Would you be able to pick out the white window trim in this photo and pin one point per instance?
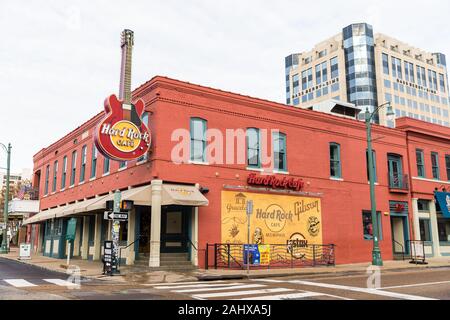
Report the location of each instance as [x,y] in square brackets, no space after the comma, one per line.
[431,180]
[81,182]
[92,179]
[255,169]
[106,174]
[141,162]
[281,172]
[122,169]
[337,179]
[198,163]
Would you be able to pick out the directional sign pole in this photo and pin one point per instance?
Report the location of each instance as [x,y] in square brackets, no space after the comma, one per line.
[115,230]
[249,215]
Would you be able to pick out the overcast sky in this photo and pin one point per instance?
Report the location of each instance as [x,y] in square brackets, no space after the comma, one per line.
[60,59]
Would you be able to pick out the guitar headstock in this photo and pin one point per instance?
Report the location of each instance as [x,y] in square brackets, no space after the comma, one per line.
[127,38]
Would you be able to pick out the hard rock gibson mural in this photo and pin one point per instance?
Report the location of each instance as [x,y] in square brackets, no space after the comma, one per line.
[277,219]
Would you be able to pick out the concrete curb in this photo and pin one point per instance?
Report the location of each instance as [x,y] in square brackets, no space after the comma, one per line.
[216,277]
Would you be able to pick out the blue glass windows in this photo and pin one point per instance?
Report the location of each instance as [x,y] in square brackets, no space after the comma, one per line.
[385,59]
[334,68]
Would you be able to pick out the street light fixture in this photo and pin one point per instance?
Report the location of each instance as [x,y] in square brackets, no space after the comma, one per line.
[4,247]
[376,253]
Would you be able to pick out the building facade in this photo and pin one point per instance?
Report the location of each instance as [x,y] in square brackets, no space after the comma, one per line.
[367,69]
[306,172]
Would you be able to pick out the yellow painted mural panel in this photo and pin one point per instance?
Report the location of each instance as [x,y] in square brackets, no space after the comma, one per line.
[276,219]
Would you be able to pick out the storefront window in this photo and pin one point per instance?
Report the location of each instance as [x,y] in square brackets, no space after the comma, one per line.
[368,226]
[444,230]
[425,234]
[423,205]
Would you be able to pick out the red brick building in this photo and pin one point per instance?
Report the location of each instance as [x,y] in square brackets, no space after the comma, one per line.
[179,208]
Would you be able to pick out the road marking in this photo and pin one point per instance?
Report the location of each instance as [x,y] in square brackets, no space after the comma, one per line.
[19,283]
[59,282]
[298,295]
[221,288]
[176,283]
[193,286]
[240,293]
[416,285]
[363,290]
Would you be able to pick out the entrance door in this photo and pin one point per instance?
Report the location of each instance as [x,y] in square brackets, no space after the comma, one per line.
[174,230]
[144,231]
[399,236]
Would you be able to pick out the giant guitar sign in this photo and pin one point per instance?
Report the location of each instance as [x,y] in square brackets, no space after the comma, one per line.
[121,134]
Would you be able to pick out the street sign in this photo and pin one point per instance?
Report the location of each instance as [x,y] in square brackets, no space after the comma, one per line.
[249,207]
[71,229]
[120,216]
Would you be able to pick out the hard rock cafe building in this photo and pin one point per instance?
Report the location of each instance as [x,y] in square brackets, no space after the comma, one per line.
[317,192]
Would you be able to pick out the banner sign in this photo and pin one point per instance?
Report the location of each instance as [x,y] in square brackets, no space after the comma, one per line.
[278,219]
[443,198]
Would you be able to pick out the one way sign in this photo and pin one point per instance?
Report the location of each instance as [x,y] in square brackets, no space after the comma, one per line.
[121,216]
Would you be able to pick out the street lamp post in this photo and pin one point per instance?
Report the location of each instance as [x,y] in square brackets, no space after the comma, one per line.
[4,247]
[376,253]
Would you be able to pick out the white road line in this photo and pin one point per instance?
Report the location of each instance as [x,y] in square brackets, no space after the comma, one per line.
[19,283]
[416,285]
[240,293]
[59,282]
[363,290]
[298,295]
[203,285]
[221,288]
[176,283]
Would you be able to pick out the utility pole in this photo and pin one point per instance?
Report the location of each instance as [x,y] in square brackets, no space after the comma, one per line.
[5,244]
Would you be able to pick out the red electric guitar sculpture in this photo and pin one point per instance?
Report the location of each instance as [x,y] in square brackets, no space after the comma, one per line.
[121,135]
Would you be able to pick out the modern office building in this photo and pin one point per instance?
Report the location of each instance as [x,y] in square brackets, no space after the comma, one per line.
[367,69]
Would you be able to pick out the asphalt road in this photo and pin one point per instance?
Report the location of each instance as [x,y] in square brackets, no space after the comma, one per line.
[21,281]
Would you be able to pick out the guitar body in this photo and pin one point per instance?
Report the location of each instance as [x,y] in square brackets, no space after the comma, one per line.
[121,135]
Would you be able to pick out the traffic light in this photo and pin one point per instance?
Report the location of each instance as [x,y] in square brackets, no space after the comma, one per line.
[126,205]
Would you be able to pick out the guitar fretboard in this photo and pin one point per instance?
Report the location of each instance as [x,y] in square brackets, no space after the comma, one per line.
[125,77]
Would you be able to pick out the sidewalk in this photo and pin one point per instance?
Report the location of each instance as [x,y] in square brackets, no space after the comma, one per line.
[93,270]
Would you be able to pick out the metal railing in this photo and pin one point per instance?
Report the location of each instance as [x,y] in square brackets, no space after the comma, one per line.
[403,248]
[233,256]
[120,250]
[399,181]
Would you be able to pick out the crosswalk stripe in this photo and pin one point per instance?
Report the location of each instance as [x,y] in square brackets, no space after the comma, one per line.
[19,283]
[59,282]
[246,286]
[240,293]
[176,283]
[297,295]
[203,285]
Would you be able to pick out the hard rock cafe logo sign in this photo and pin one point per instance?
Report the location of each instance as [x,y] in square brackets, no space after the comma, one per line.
[120,135]
[275,183]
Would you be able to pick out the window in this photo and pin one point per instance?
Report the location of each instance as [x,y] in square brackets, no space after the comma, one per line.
[374,161]
[335,160]
[198,140]
[395,169]
[122,164]
[253,155]
[425,234]
[94,161]
[444,230]
[73,168]
[145,121]
[435,165]
[83,163]
[106,163]
[447,165]
[397,68]
[64,173]
[47,173]
[279,151]
[442,83]
[55,175]
[334,68]
[420,163]
[423,205]
[385,64]
[368,226]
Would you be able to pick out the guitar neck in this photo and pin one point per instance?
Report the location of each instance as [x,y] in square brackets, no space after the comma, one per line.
[125,76]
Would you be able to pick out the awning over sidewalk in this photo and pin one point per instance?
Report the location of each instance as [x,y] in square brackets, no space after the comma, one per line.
[443,198]
[173,194]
